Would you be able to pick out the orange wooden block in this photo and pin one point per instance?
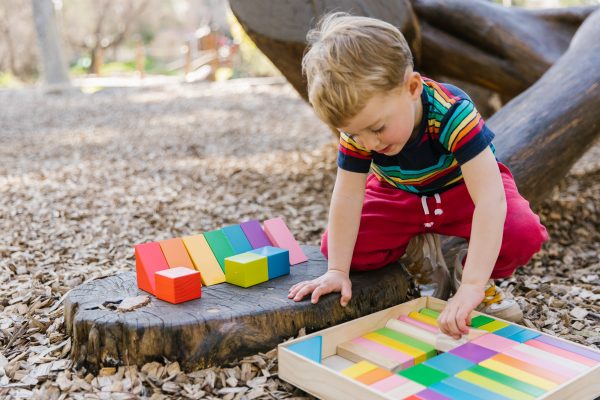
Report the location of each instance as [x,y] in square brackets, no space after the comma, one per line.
[175,253]
[369,378]
[178,284]
[149,259]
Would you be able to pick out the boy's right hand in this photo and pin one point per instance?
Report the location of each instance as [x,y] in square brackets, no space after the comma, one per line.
[331,281]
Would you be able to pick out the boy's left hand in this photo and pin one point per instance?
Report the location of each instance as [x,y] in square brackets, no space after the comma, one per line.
[456,317]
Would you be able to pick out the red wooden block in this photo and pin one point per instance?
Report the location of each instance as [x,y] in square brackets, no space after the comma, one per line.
[178,284]
[149,259]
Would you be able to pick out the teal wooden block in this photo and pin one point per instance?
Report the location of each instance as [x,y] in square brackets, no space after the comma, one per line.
[449,364]
[309,348]
[508,331]
[220,246]
[237,239]
[246,269]
[524,335]
[452,392]
[277,259]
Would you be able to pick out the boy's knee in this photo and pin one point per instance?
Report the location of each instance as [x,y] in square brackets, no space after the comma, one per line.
[526,237]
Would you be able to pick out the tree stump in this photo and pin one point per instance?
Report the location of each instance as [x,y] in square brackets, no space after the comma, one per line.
[227,323]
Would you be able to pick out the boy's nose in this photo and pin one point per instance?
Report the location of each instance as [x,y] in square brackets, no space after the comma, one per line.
[371,143]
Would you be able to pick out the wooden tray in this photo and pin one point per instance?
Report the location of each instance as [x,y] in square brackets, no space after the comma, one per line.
[326,383]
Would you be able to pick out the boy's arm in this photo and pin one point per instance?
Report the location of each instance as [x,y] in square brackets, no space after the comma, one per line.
[344,220]
[484,183]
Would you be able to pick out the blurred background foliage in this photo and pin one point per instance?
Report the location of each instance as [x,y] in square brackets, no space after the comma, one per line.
[197,39]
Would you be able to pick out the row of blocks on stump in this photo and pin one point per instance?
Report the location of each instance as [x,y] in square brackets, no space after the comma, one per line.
[505,362]
[207,252]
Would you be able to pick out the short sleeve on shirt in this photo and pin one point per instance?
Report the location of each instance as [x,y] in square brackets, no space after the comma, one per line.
[351,156]
[463,131]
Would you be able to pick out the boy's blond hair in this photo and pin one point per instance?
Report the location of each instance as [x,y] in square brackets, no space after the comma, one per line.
[350,59]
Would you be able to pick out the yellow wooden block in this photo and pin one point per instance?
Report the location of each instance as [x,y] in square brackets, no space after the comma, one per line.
[419,355]
[518,374]
[358,369]
[493,386]
[494,326]
[423,318]
[204,260]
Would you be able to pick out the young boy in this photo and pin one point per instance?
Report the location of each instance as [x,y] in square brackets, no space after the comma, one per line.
[433,170]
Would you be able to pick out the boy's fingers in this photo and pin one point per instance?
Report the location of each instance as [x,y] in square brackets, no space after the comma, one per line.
[346,294]
[309,287]
[318,292]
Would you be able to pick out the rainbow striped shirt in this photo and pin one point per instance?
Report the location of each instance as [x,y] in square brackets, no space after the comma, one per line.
[451,133]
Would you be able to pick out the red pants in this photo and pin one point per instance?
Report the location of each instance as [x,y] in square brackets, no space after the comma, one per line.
[391,217]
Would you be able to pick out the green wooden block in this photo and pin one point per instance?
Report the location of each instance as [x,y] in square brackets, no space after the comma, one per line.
[429,312]
[423,374]
[409,341]
[246,269]
[480,320]
[220,246]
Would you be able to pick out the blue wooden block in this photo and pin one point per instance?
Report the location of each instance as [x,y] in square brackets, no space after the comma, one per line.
[309,348]
[237,239]
[277,259]
[449,363]
[524,335]
[508,331]
[472,389]
[452,392]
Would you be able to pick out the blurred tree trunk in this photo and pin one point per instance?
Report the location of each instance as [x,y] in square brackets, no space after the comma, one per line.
[51,52]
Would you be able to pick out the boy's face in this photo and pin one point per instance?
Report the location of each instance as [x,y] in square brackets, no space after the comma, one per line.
[388,120]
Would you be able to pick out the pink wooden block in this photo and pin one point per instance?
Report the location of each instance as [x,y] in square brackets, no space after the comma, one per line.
[419,324]
[404,359]
[495,342]
[389,383]
[279,234]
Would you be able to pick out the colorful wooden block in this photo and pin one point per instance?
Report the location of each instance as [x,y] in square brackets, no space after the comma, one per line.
[478,391]
[279,234]
[255,234]
[369,378]
[423,374]
[452,392]
[419,355]
[149,259]
[506,392]
[423,318]
[473,352]
[494,325]
[449,363]
[403,391]
[552,358]
[358,369]
[561,352]
[572,347]
[508,331]
[419,324]
[278,260]
[429,394]
[524,335]
[390,383]
[495,342]
[429,312]
[363,349]
[409,341]
[520,374]
[561,371]
[220,246]
[481,320]
[246,269]
[204,260]
[237,239]
[175,253]
[508,381]
[309,348]
[178,284]
[528,367]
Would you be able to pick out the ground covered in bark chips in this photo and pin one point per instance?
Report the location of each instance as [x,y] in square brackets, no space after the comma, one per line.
[85,177]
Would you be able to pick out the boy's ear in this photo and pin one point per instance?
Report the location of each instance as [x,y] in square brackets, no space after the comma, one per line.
[415,84]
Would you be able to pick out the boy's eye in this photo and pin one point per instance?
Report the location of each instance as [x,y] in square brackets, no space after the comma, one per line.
[378,130]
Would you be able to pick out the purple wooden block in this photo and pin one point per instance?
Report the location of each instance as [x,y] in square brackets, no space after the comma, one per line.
[569,347]
[255,234]
[472,352]
[428,394]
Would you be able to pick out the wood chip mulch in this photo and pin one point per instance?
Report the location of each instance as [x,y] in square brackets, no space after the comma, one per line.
[85,177]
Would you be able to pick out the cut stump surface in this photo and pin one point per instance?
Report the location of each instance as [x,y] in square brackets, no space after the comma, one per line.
[227,323]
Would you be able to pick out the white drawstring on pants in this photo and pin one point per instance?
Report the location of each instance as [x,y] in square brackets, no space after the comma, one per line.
[438,209]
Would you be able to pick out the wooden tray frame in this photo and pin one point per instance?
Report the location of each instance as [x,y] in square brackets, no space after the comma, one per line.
[327,384]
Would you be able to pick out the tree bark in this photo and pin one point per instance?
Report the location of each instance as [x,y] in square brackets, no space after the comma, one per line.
[53,62]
